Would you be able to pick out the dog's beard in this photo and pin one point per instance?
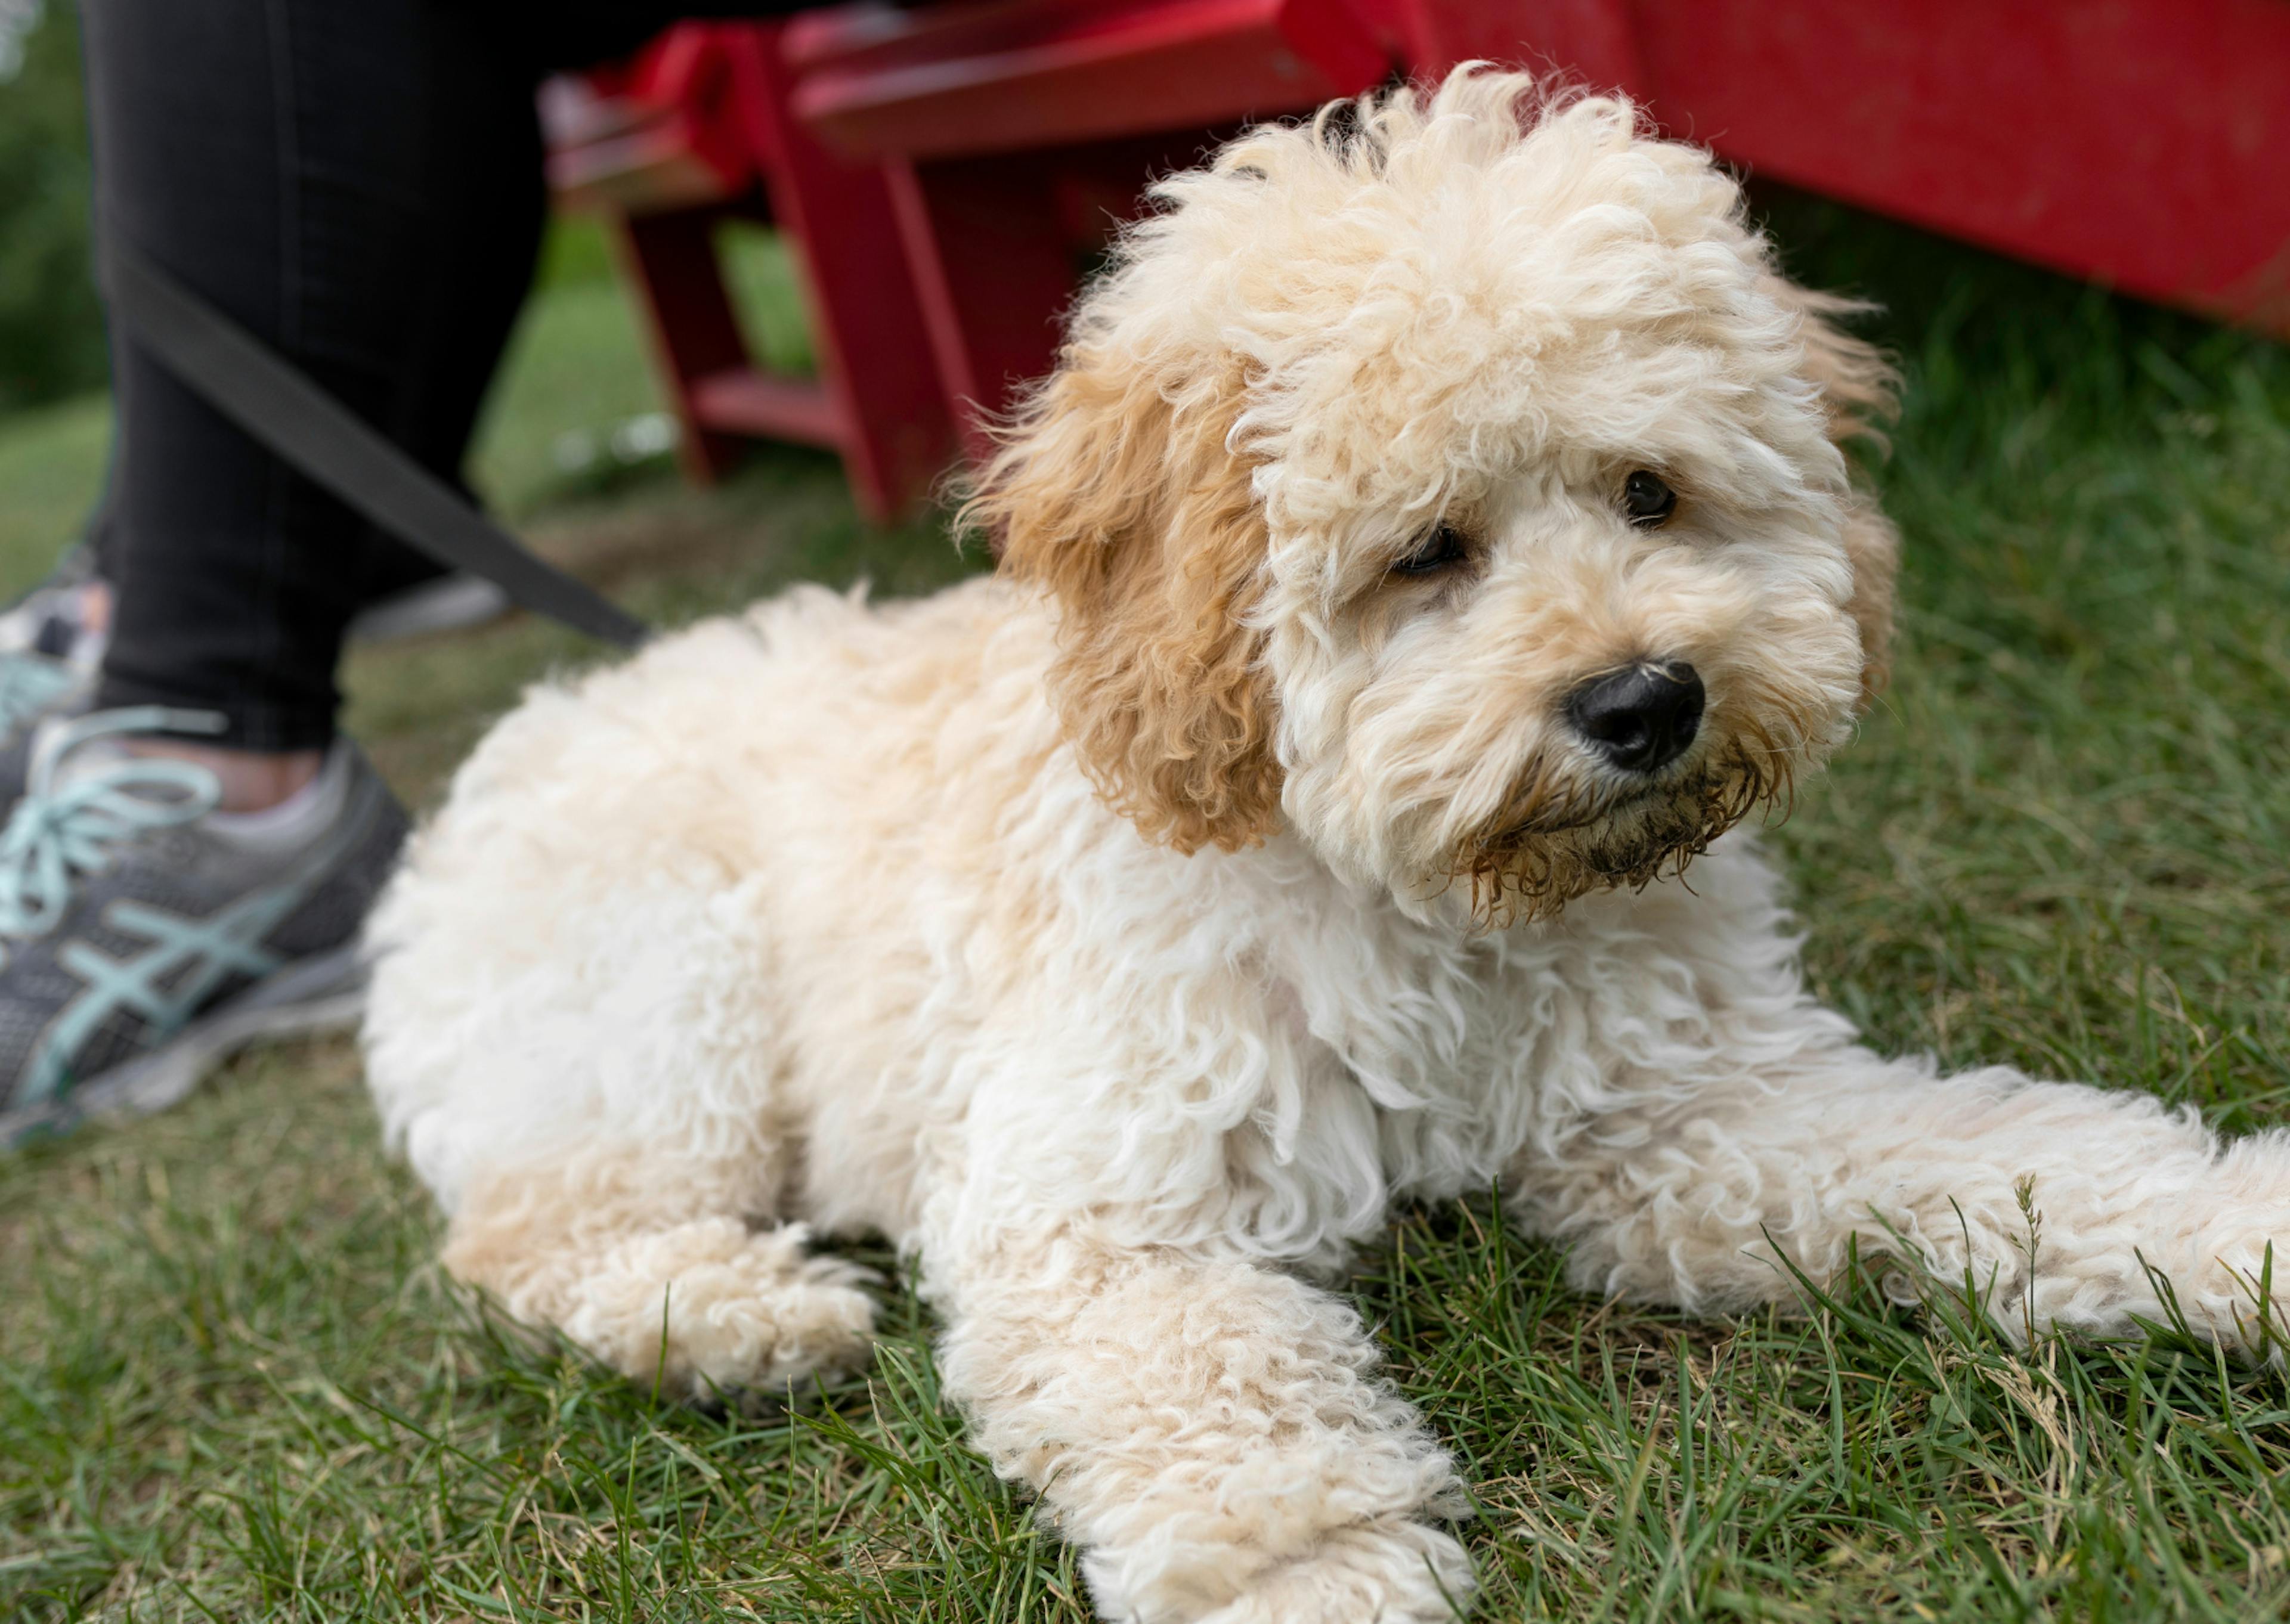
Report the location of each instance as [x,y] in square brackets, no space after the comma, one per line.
[1558,839]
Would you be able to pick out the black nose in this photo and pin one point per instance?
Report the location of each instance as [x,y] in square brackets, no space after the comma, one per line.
[1641,719]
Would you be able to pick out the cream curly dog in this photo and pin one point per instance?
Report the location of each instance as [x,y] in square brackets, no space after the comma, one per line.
[1434,535]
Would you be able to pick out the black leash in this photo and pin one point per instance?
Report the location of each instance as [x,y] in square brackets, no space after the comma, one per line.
[307,428]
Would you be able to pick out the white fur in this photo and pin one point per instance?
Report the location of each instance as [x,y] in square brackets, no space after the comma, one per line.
[814,917]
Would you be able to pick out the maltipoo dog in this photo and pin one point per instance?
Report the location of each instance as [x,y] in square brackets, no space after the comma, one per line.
[1435,534]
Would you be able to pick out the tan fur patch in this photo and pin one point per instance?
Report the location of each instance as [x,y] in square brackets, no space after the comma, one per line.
[1116,490]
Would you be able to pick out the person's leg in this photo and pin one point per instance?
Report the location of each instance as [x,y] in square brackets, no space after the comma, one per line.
[360,187]
[191,852]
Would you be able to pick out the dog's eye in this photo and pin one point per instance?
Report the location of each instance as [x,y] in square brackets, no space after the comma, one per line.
[1443,550]
[1648,499]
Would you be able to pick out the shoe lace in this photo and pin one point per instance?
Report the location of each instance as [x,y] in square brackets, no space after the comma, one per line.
[29,683]
[59,832]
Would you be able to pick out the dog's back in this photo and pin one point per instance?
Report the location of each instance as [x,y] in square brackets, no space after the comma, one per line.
[620,922]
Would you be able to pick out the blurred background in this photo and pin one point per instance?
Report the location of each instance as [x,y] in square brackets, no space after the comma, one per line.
[2060,841]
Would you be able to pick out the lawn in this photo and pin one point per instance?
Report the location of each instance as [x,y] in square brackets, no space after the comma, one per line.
[233,1384]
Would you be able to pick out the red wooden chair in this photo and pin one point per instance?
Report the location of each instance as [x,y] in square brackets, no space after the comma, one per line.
[1010,131]
[694,131]
[2139,143]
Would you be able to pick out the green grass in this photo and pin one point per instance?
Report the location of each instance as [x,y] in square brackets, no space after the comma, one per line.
[578,367]
[233,1384]
[51,465]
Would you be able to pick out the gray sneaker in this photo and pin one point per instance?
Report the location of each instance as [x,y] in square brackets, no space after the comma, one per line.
[146,940]
[52,618]
[34,688]
[49,653]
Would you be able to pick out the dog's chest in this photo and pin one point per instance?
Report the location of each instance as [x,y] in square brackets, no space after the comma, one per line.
[1432,1038]
[1465,1047]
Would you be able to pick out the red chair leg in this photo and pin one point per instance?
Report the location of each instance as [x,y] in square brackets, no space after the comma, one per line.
[874,351]
[994,267]
[689,323]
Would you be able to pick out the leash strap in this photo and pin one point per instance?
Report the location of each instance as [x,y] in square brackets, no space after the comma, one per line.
[310,430]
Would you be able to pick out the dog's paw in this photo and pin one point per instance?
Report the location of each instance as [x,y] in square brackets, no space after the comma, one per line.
[1388,1571]
[2237,1289]
[709,1308]
[1376,1573]
[2226,1263]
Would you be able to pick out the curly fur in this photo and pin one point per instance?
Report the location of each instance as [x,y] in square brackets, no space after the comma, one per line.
[1117,491]
[1125,934]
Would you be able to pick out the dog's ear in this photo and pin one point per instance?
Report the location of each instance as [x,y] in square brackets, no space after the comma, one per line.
[1859,393]
[1115,489]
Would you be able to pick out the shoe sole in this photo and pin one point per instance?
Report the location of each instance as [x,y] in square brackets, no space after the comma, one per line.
[324,993]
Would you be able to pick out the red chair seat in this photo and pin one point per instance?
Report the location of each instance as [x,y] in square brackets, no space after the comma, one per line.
[1015,74]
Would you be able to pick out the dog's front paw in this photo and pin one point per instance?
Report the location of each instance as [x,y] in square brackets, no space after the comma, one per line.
[1384,1573]
[1387,1571]
[2233,1282]
[709,1307]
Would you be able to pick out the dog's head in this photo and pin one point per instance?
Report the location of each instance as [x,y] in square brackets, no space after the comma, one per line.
[1456,478]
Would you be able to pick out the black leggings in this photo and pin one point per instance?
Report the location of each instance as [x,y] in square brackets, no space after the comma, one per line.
[359,183]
